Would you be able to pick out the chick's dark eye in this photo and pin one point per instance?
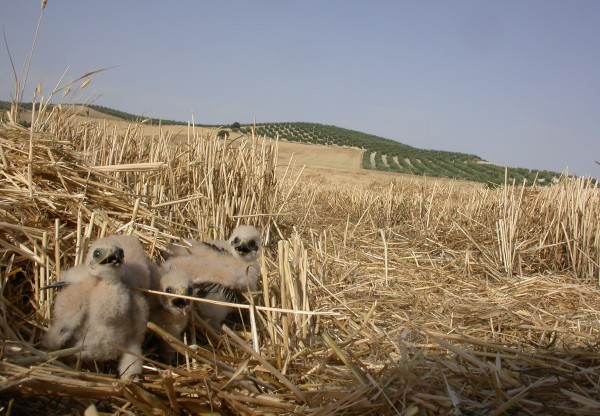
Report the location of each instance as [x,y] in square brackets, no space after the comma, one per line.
[97,253]
[236,241]
[252,245]
[169,290]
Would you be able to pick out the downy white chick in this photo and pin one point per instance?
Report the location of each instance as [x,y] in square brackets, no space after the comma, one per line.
[139,271]
[168,312]
[171,313]
[244,243]
[206,265]
[99,308]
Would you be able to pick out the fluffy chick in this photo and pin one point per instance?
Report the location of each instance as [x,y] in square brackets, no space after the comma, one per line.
[231,263]
[244,243]
[228,270]
[211,313]
[138,271]
[171,313]
[98,308]
[208,265]
[168,312]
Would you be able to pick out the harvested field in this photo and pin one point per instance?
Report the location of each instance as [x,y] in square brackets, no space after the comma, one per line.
[384,295]
[318,156]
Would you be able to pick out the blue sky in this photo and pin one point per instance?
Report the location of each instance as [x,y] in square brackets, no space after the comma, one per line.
[515,82]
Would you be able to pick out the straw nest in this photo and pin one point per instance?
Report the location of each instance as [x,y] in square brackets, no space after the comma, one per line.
[396,298]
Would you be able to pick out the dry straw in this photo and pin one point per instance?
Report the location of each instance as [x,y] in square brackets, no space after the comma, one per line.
[436,298]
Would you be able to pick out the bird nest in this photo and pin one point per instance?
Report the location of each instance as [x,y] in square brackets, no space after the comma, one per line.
[401,297]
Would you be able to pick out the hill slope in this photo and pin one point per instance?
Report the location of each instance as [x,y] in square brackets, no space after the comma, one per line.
[388,155]
[379,153]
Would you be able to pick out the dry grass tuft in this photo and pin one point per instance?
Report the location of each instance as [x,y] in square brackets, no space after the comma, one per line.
[435,299]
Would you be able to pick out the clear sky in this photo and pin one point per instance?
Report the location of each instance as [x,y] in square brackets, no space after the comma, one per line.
[515,82]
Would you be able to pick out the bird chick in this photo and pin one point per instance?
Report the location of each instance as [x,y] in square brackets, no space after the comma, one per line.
[244,243]
[231,263]
[171,313]
[206,259]
[238,256]
[207,265]
[139,271]
[98,309]
[210,312]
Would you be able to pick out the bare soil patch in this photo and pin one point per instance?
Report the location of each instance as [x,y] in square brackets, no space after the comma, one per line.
[385,161]
[343,159]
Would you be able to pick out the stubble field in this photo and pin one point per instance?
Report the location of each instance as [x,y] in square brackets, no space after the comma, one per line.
[389,294]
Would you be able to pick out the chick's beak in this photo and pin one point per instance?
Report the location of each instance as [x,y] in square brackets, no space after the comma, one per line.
[182,305]
[111,255]
[243,247]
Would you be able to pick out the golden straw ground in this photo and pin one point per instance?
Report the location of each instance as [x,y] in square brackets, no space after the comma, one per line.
[446,297]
